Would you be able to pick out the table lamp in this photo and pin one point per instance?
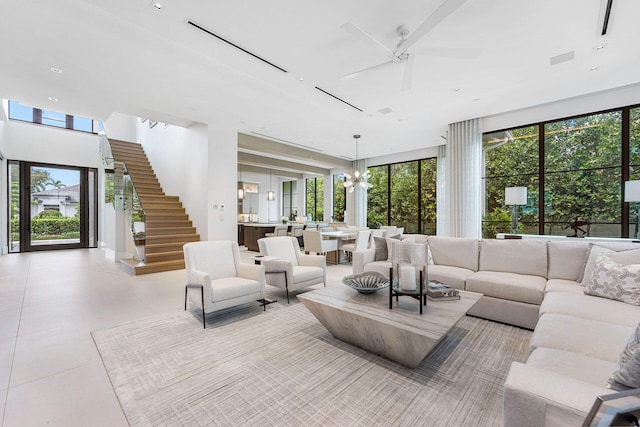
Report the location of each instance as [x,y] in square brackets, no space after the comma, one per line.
[515,196]
[632,195]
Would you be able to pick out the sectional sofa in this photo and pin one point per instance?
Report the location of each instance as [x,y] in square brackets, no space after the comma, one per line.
[536,284]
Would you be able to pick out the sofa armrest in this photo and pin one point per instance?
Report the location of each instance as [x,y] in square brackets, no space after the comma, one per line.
[251,271]
[535,397]
[360,258]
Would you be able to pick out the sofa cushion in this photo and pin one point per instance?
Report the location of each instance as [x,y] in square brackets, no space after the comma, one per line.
[510,286]
[566,260]
[612,280]
[455,251]
[591,308]
[578,366]
[589,337]
[450,276]
[626,257]
[232,287]
[627,374]
[562,285]
[514,256]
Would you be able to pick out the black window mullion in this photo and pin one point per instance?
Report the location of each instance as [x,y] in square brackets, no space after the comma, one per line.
[541,178]
[626,138]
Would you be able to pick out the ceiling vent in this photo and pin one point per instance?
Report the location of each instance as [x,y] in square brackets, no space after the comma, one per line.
[606,16]
[339,99]
[564,57]
[211,33]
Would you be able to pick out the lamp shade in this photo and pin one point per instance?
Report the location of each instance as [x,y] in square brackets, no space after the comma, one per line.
[515,196]
[632,191]
[271,195]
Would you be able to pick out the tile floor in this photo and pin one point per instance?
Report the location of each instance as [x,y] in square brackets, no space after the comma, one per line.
[50,371]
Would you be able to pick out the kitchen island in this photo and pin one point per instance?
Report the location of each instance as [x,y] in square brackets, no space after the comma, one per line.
[254,231]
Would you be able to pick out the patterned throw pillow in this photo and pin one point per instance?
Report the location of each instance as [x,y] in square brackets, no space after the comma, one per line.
[615,281]
[627,374]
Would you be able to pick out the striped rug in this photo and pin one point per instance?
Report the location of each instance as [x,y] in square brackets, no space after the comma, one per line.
[283,368]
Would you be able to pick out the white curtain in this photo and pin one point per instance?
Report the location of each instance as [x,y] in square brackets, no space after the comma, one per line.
[463,180]
[357,201]
[441,186]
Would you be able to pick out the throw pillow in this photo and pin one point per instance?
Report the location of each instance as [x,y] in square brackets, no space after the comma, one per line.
[615,281]
[627,373]
[382,253]
[390,241]
[626,257]
[590,263]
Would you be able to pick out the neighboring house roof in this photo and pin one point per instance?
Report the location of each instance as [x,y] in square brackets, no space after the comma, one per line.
[70,193]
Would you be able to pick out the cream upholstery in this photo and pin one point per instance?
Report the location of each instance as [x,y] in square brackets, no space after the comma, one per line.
[279,230]
[225,282]
[313,242]
[527,257]
[455,251]
[361,243]
[300,270]
[509,286]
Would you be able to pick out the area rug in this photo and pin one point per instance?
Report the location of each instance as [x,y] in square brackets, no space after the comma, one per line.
[282,367]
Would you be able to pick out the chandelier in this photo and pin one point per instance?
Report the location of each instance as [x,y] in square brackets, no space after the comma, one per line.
[358,178]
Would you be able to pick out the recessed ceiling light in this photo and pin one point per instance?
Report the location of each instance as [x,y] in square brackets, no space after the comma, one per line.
[600,47]
[52,99]
[157,5]
[56,70]
[593,68]
[476,99]
[457,89]
[301,79]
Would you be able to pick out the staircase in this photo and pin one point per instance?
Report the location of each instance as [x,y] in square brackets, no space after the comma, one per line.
[168,226]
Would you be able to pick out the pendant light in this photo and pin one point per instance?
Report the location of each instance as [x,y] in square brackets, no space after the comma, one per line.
[271,196]
[358,178]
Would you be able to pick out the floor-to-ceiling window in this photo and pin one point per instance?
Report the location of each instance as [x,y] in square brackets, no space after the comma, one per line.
[403,194]
[315,198]
[51,207]
[339,198]
[290,199]
[574,170]
[511,160]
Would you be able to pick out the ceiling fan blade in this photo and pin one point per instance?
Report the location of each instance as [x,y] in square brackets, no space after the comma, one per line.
[375,67]
[359,33]
[444,10]
[464,53]
[407,77]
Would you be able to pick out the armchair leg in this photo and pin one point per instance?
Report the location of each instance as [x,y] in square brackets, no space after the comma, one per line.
[286,285]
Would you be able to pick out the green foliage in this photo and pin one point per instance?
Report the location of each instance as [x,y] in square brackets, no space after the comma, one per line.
[497,221]
[54,226]
[49,213]
[405,197]
[315,198]
[582,167]
[339,198]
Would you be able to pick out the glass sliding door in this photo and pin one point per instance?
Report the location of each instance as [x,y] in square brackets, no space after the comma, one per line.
[52,207]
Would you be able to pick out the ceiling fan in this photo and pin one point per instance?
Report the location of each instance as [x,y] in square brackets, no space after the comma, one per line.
[407,39]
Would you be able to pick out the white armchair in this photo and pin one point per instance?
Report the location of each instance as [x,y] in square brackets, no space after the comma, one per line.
[214,267]
[292,269]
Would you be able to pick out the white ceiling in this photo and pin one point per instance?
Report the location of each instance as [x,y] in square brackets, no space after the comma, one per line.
[126,56]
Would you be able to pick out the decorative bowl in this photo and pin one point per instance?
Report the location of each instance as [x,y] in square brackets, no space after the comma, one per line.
[366,283]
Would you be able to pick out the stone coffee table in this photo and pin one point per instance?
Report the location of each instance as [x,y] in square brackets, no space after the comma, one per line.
[401,334]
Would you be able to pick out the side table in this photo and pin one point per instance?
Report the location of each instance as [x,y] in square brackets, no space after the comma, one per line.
[258,260]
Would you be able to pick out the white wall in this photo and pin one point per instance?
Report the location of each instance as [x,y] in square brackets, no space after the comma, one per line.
[44,144]
[121,127]
[178,157]
[604,100]
[222,183]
